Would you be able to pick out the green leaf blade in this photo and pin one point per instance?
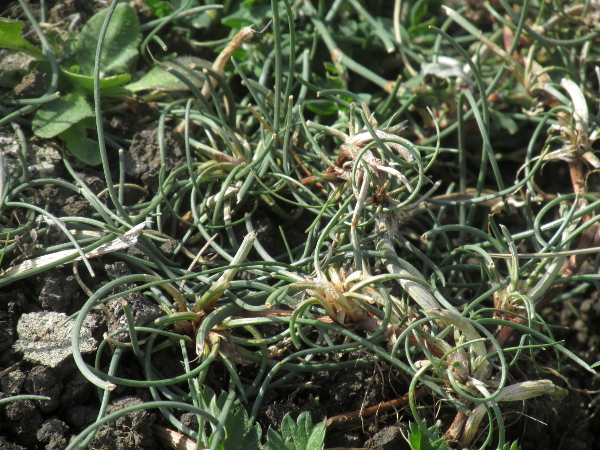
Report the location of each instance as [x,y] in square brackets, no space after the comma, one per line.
[10,37]
[59,115]
[119,51]
[84,148]
[159,78]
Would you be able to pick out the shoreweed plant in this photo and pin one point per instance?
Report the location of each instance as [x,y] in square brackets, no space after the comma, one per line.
[328,215]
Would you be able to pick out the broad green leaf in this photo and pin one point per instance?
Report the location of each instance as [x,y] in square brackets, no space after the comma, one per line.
[195,21]
[70,80]
[322,107]
[419,440]
[159,78]
[237,23]
[59,115]
[293,439]
[274,441]
[84,148]
[10,37]
[300,435]
[236,433]
[87,83]
[317,435]
[159,8]
[119,51]
[249,13]
[204,20]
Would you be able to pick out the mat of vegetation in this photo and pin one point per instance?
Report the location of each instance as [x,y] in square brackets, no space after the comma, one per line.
[299,224]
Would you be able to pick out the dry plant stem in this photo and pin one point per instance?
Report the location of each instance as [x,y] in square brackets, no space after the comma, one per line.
[12,368]
[353,420]
[244,35]
[578,181]
[455,430]
[128,239]
[174,439]
[568,383]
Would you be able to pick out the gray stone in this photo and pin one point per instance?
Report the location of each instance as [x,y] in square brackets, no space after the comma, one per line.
[44,341]
[390,438]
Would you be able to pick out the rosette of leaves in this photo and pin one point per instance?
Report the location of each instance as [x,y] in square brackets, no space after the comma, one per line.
[66,111]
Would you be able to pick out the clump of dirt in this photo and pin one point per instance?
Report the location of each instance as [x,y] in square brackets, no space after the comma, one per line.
[143,161]
[129,432]
[56,292]
[142,309]
[33,85]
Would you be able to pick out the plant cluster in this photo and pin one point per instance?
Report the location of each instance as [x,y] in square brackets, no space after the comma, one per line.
[327,215]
